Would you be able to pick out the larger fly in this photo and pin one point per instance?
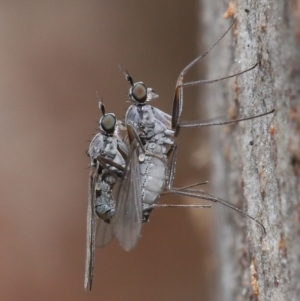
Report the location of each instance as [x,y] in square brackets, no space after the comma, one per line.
[153,156]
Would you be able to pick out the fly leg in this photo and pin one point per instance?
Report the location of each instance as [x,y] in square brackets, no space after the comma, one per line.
[178,103]
[199,194]
[178,95]
[147,209]
[188,186]
[201,124]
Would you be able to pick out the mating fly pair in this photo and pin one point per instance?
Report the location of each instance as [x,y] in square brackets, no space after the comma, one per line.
[142,165]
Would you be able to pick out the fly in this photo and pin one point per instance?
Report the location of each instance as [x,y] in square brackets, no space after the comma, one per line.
[150,166]
[108,153]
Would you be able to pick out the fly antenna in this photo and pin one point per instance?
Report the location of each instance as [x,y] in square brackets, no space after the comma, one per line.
[101,104]
[127,76]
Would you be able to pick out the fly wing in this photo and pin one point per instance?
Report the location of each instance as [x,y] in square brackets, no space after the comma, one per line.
[127,221]
[163,117]
[104,233]
[91,231]
[122,147]
[122,144]
[133,117]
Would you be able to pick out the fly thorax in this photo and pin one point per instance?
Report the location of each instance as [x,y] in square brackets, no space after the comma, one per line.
[147,117]
[96,148]
[156,148]
[150,147]
[146,124]
[110,150]
[150,134]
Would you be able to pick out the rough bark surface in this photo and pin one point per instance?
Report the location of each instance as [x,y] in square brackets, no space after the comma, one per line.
[260,172]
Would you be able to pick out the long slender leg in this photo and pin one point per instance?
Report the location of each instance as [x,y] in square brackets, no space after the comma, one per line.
[188,186]
[177,105]
[199,194]
[178,95]
[208,81]
[177,101]
[194,194]
[187,124]
[133,136]
[172,165]
[179,206]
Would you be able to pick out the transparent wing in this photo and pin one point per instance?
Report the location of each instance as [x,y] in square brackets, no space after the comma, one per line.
[91,231]
[163,117]
[122,144]
[133,117]
[127,221]
[104,233]
[122,147]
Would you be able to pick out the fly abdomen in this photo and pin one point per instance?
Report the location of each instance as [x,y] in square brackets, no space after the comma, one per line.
[104,202]
[154,173]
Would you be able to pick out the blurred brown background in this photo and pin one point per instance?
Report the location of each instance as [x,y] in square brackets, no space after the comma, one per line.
[55,55]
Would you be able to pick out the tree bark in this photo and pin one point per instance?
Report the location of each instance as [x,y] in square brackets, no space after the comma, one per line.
[257,162]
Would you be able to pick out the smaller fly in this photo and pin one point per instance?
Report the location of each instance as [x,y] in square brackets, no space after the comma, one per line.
[108,153]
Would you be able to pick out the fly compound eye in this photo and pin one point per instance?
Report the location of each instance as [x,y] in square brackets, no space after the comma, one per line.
[138,92]
[108,123]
